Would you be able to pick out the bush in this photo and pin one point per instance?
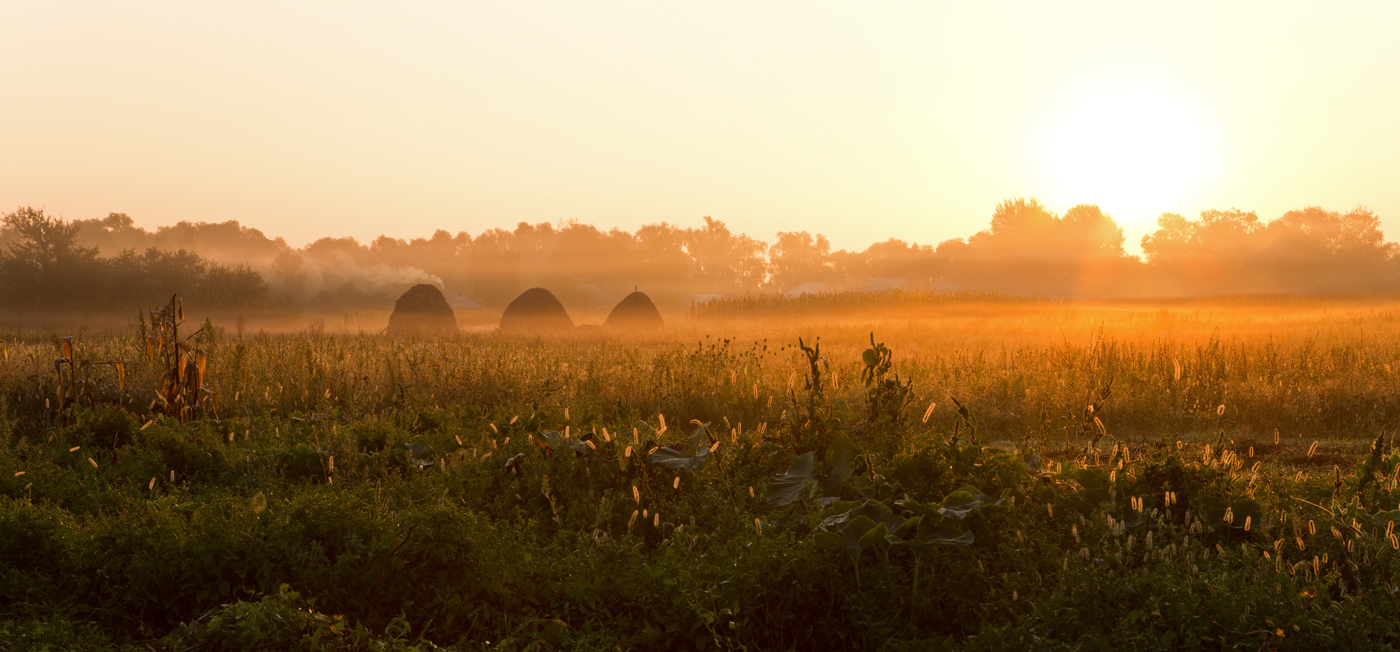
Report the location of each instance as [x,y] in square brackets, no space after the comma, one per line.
[33,543]
[188,454]
[106,427]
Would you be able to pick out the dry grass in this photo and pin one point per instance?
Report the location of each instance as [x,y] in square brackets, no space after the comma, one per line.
[1312,369]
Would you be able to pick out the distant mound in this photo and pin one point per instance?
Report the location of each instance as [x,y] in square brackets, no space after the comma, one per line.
[420,311]
[635,311]
[536,309]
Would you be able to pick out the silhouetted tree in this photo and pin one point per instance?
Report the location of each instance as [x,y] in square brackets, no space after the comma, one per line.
[496,268]
[662,263]
[1305,251]
[288,275]
[798,258]
[722,261]
[898,259]
[1030,249]
[44,266]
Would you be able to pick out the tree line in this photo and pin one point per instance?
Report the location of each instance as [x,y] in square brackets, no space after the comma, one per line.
[110,262]
[44,266]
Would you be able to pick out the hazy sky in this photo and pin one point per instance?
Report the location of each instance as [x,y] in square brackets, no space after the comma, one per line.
[862,121]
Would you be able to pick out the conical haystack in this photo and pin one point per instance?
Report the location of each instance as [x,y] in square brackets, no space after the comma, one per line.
[636,311]
[422,310]
[536,309]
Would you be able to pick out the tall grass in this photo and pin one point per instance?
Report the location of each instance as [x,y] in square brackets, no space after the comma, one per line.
[498,492]
[1308,369]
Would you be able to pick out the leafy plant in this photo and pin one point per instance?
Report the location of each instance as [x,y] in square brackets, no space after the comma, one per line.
[885,398]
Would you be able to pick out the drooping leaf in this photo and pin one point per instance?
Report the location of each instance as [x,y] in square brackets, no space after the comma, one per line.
[874,537]
[968,500]
[802,465]
[919,508]
[691,456]
[674,459]
[958,504]
[874,510]
[908,528]
[696,442]
[785,488]
[838,507]
[829,540]
[945,533]
[853,535]
[899,543]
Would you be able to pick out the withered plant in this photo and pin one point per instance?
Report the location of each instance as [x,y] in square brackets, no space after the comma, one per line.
[180,363]
[78,383]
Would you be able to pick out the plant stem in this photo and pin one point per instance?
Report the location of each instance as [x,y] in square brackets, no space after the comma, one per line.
[914,595]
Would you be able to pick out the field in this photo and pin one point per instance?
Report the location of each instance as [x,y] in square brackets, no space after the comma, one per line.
[976,472]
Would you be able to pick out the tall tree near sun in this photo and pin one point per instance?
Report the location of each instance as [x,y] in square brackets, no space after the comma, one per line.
[1030,249]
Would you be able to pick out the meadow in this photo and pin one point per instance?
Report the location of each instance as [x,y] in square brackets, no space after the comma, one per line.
[914,472]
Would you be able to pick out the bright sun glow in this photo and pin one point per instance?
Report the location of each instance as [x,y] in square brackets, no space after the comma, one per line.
[1133,149]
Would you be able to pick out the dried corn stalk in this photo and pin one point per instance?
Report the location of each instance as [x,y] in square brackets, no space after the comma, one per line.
[182,364]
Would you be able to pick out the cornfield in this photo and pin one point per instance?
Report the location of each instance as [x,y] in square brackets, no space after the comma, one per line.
[963,475]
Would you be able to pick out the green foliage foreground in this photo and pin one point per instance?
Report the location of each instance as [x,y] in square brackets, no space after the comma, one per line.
[832,525]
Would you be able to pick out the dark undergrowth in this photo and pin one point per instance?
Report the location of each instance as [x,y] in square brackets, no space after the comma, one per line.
[825,523]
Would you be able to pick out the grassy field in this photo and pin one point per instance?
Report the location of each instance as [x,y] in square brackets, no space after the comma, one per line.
[985,473]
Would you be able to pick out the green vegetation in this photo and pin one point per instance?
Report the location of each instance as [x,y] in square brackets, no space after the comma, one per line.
[1073,488]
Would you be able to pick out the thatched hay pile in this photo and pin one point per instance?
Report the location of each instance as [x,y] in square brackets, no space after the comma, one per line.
[420,311]
[536,309]
[635,312]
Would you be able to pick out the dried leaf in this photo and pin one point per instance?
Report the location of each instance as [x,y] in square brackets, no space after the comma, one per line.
[201,360]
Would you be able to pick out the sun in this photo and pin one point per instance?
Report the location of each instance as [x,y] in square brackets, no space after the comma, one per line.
[1135,149]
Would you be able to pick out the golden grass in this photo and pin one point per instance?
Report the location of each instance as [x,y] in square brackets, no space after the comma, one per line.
[1302,367]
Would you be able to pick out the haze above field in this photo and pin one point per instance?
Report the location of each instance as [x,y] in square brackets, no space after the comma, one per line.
[862,123]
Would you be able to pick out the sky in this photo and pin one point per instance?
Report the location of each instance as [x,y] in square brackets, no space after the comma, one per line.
[861,121]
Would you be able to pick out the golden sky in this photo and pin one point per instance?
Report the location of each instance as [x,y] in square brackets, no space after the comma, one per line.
[862,121]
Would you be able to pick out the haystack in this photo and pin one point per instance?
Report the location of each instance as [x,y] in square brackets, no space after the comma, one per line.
[420,311]
[536,309]
[636,311]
